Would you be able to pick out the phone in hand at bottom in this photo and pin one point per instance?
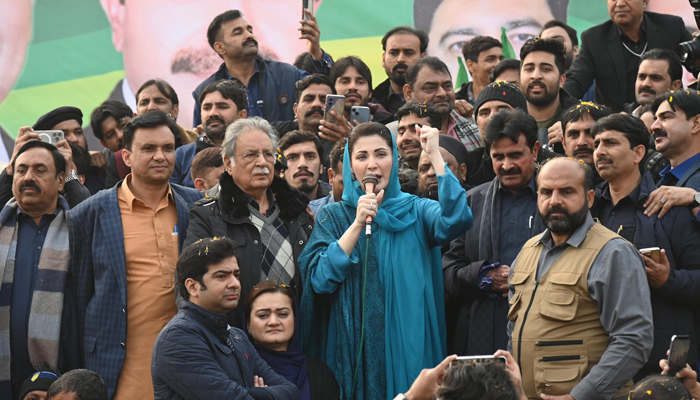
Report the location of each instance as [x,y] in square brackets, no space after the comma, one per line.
[678,353]
[479,360]
[652,252]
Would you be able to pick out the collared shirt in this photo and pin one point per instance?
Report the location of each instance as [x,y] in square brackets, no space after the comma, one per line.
[151,252]
[254,98]
[464,129]
[393,100]
[617,281]
[619,218]
[30,241]
[676,173]
[517,212]
[270,198]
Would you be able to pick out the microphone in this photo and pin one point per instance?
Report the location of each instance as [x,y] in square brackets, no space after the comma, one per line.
[368,182]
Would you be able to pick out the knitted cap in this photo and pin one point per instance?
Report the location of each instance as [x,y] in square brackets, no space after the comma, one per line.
[55,117]
[455,147]
[503,91]
[39,381]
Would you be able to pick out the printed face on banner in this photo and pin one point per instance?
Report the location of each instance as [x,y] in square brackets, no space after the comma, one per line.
[455,22]
[15,33]
[167,39]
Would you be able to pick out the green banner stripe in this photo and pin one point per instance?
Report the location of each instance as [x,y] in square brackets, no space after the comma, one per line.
[91,54]
[23,107]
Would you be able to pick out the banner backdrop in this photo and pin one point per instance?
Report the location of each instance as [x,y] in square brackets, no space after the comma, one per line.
[82,52]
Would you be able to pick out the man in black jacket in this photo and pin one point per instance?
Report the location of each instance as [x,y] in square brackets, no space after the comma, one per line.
[610,51]
[264,215]
[195,355]
[505,216]
[621,143]
[402,46]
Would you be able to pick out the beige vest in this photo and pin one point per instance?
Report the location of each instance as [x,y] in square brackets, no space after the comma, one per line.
[557,337]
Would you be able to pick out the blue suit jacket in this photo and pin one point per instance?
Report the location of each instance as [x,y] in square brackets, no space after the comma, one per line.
[183,159]
[99,265]
[691,178]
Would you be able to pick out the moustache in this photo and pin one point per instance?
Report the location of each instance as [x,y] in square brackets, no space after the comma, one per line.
[512,171]
[313,111]
[557,209]
[261,170]
[660,133]
[647,90]
[303,171]
[215,118]
[249,41]
[400,66]
[195,60]
[583,150]
[604,159]
[30,185]
[539,83]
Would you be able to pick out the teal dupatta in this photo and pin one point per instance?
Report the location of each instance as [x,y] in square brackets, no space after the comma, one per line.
[404,328]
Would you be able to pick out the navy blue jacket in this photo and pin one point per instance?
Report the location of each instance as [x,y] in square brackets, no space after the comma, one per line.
[183,160]
[672,304]
[277,85]
[191,360]
[99,265]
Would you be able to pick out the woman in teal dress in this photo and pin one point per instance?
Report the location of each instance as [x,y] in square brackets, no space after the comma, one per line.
[373,308]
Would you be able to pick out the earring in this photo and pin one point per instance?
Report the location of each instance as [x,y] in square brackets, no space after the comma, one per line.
[353,176]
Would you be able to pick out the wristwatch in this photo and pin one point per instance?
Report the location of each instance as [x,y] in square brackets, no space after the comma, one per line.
[73,176]
[696,201]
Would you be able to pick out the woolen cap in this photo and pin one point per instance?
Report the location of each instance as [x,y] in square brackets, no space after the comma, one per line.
[39,381]
[503,91]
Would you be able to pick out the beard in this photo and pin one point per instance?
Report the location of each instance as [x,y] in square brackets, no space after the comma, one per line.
[547,98]
[566,224]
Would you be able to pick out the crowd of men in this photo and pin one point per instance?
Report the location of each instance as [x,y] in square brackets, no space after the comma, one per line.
[564,192]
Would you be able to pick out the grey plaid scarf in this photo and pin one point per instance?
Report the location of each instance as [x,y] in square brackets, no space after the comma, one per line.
[277,253]
[47,301]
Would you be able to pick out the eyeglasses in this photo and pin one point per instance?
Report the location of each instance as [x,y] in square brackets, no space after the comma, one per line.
[251,157]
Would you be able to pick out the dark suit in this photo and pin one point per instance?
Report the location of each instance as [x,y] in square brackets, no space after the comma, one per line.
[99,264]
[602,58]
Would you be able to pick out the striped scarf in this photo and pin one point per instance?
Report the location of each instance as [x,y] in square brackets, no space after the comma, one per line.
[47,301]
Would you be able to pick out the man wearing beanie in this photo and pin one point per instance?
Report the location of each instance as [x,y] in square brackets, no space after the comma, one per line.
[455,155]
[68,120]
[37,386]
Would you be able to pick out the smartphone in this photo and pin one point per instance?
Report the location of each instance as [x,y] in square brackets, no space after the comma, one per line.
[652,252]
[678,353]
[479,360]
[334,102]
[359,114]
[307,5]
[51,137]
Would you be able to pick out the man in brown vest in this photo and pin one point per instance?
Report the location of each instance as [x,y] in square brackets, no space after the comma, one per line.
[580,315]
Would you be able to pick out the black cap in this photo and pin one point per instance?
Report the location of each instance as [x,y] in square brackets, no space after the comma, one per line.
[454,147]
[55,117]
[503,91]
[39,381]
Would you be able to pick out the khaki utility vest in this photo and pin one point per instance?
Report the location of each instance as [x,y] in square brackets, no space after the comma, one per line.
[557,337]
